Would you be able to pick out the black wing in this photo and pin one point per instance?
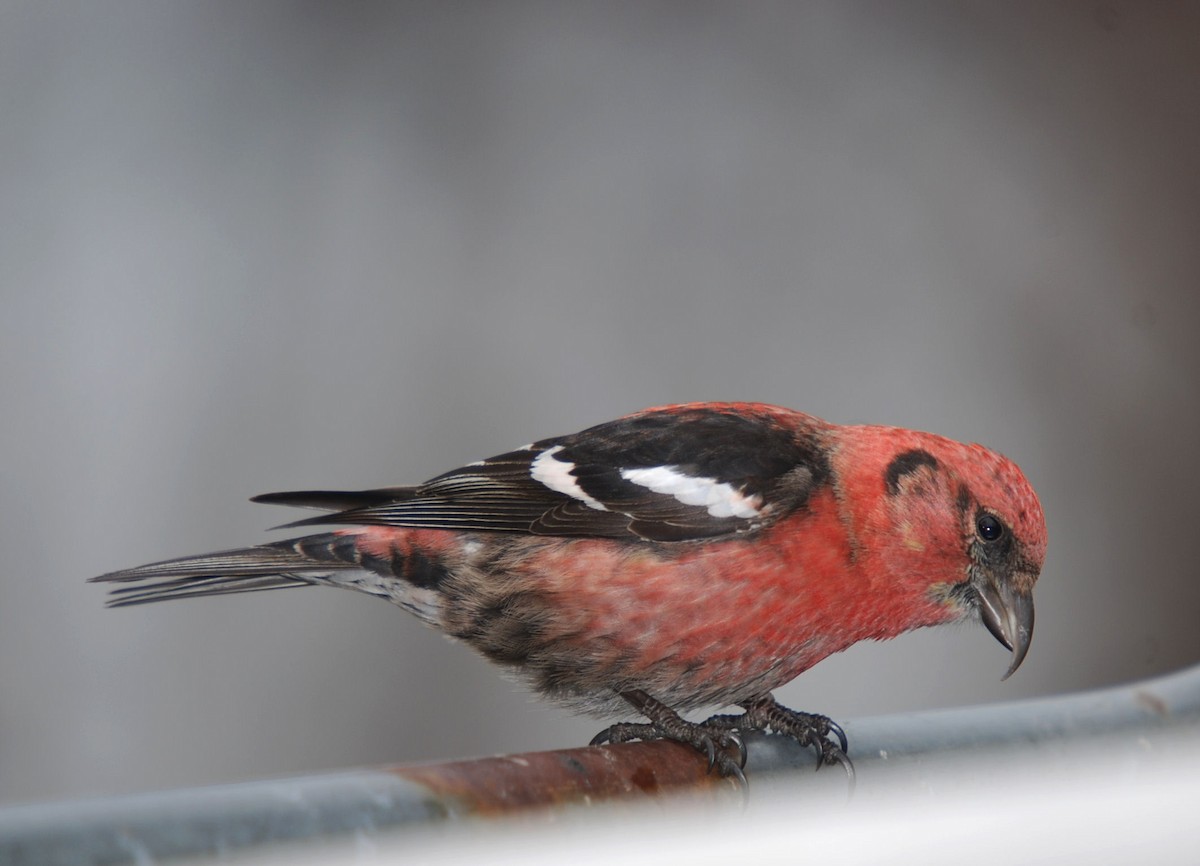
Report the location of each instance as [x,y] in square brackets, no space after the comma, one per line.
[671,474]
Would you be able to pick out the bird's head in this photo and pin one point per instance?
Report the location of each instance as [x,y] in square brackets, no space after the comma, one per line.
[958,525]
[1007,548]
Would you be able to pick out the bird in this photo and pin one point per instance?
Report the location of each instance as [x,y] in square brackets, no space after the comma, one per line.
[684,556]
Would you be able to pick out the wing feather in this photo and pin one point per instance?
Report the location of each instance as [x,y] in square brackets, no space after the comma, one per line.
[767,459]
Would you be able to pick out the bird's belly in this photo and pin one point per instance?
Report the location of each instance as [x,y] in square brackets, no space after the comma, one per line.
[693,627]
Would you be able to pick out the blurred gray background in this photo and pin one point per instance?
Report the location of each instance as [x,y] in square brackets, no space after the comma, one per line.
[247,247]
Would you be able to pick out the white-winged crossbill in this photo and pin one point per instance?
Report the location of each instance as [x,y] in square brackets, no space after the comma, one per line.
[685,556]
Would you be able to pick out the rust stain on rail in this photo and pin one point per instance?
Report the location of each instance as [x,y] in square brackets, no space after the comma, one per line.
[596,774]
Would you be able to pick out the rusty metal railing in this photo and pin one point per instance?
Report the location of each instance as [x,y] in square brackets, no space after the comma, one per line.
[890,752]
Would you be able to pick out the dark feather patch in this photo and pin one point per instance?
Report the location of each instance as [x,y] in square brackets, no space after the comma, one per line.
[905,464]
[334,500]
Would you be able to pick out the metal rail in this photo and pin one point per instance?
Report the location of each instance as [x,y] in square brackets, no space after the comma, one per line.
[906,750]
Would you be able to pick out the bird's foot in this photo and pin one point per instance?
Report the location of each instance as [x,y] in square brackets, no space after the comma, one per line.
[808,729]
[722,745]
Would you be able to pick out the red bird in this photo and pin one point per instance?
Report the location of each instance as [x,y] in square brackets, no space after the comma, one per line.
[684,556]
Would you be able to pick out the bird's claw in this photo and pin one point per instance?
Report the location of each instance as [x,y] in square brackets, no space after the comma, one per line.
[836,730]
[731,769]
[807,729]
[722,746]
[735,739]
[725,740]
[714,745]
[719,738]
[834,755]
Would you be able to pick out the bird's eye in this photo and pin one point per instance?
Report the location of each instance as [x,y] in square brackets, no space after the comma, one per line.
[989,528]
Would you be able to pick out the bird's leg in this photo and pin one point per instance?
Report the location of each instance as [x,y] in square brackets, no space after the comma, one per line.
[713,742]
[808,729]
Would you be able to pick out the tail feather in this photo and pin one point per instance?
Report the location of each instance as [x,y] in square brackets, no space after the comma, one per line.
[282,565]
[192,587]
